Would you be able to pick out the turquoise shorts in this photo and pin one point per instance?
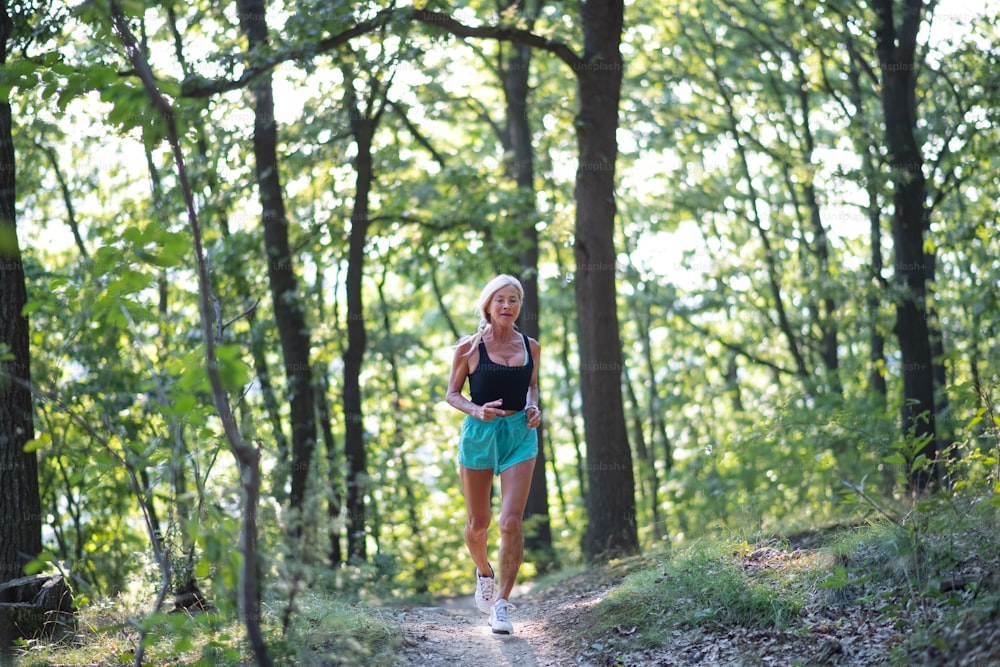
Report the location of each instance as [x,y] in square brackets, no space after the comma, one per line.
[498,444]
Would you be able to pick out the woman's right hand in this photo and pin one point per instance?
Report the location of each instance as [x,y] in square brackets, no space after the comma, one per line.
[489,411]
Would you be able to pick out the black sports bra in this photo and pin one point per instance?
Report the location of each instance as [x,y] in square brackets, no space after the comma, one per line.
[491,380]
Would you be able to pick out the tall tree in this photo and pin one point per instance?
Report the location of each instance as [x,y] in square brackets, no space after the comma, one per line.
[520,166]
[896,29]
[611,526]
[236,268]
[363,122]
[247,457]
[873,210]
[20,505]
[289,314]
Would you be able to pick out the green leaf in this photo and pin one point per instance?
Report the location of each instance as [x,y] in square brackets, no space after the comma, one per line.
[134,235]
[978,418]
[51,88]
[34,444]
[23,75]
[31,306]
[106,258]
[233,371]
[37,565]
[103,458]
[130,106]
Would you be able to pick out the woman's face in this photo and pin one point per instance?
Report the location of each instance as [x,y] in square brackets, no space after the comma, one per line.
[505,306]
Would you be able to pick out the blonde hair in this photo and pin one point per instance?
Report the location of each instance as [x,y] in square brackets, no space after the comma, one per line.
[483,310]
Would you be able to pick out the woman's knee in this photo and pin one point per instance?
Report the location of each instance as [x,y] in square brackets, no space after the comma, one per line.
[511,524]
[477,523]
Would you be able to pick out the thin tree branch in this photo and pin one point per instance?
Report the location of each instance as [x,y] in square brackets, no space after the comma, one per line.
[506,34]
[50,153]
[738,349]
[415,132]
[246,313]
[484,115]
[420,222]
[247,456]
[201,88]
[440,299]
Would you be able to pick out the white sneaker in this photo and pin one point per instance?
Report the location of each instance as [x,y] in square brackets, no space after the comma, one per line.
[485,590]
[499,617]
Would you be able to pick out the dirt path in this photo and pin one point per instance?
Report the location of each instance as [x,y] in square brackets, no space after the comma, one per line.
[458,635]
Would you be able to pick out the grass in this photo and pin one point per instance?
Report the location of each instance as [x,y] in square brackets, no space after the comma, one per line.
[704,586]
[104,636]
[327,630]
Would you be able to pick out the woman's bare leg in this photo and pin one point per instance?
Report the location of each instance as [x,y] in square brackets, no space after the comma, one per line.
[515,482]
[477,487]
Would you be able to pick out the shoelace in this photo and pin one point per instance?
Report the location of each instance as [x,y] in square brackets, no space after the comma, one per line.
[501,609]
[486,585]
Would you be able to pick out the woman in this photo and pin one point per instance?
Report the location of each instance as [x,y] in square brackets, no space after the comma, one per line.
[498,437]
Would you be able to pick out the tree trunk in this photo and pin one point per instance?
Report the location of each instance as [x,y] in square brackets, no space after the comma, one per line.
[20,504]
[896,49]
[520,167]
[611,513]
[876,355]
[421,578]
[36,606]
[611,527]
[877,389]
[334,476]
[567,368]
[236,268]
[942,406]
[820,248]
[288,310]
[657,418]
[655,413]
[648,478]
[354,433]
[363,124]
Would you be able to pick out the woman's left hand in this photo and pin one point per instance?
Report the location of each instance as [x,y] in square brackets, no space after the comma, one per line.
[534,417]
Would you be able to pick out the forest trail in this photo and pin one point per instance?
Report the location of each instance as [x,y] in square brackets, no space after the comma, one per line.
[456,634]
[830,631]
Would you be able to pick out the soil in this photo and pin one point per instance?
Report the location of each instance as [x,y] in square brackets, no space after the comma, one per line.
[457,634]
